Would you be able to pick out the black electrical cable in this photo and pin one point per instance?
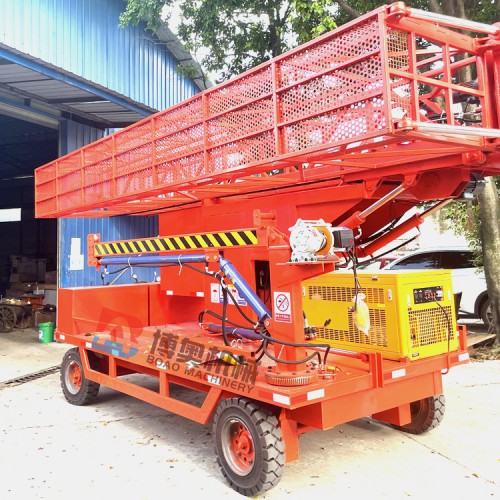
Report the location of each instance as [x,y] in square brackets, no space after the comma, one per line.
[347,259]
[286,362]
[394,248]
[383,231]
[388,227]
[224,309]
[201,315]
[399,246]
[262,354]
[274,340]
[116,271]
[225,289]
[357,284]
[449,335]
[123,269]
[266,338]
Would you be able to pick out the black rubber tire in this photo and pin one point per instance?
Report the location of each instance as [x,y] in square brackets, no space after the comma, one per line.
[426,414]
[261,433]
[485,313]
[77,389]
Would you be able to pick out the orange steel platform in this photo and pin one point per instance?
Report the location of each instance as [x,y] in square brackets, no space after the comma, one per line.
[353,385]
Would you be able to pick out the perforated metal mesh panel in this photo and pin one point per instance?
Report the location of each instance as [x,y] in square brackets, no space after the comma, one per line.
[344,294]
[315,106]
[430,326]
[399,328]
[398,58]
[377,335]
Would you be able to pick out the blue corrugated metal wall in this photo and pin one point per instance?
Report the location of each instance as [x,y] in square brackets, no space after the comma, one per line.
[82,36]
[72,136]
[116,228]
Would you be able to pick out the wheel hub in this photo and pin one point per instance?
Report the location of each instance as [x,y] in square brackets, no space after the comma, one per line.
[242,445]
[238,447]
[73,377]
[7,319]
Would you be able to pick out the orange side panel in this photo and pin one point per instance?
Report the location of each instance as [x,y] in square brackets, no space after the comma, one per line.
[332,412]
[95,309]
[164,309]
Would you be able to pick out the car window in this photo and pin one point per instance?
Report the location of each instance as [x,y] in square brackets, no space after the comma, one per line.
[426,260]
[457,260]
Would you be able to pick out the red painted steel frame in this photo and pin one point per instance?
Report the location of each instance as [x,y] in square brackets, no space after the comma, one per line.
[140,329]
[367,385]
[346,106]
[333,130]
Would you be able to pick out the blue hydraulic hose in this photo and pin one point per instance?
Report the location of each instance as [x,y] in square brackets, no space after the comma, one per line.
[244,289]
[152,260]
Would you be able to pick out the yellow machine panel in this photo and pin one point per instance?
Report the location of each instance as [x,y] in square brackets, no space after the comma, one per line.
[412,313]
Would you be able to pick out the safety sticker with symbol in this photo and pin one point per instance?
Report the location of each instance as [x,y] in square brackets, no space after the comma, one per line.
[217,297]
[282,307]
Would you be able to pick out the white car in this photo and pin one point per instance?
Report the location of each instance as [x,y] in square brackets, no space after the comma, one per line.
[468,281]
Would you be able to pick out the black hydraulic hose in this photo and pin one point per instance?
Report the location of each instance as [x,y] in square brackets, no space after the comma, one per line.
[266,337]
[286,362]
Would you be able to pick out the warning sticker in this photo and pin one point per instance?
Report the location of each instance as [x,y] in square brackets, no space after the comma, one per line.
[217,297]
[282,307]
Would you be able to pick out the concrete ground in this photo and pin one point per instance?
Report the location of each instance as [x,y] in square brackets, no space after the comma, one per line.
[125,448]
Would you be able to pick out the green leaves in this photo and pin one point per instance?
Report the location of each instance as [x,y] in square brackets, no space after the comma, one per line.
[238,34]
[143,10]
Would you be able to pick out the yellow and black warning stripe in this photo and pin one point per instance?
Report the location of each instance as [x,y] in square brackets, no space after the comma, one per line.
[175,243]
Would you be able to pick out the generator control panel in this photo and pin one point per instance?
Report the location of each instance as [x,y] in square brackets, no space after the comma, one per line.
[428,294]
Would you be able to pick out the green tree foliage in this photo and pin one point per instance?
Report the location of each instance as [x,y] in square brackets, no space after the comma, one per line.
[486,11]
[464,219]
[139,10]
[239,34]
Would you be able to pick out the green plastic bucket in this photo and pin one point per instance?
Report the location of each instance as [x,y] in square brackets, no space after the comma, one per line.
[46,332]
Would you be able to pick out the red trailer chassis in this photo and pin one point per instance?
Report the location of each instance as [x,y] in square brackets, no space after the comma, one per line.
[355,127]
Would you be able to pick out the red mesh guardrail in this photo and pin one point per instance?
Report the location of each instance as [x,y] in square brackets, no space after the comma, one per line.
[330,108]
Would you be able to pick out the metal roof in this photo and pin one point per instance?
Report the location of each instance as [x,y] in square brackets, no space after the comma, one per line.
[67,61]
[72,55]
[74,97]
[184,57]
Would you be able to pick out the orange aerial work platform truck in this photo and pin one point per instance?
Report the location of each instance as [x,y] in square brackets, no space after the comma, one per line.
[264,186]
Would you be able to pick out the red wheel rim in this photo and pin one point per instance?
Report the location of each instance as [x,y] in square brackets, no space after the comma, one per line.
[73,377]
[238,446]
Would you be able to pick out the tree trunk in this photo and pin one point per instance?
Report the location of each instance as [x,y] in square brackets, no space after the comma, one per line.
[489,211]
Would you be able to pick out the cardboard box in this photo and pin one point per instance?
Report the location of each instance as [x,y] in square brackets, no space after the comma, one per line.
[22,287]
[51,277]
[44,317]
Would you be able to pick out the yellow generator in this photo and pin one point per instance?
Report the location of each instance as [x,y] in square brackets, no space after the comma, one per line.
[412,313]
